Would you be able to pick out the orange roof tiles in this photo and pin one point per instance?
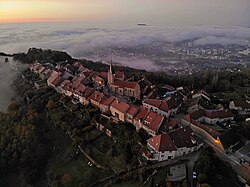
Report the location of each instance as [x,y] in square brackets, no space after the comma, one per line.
[97,96]
[108,100]
[80,89]
[160,104]
[120,105]
[162,143]
[132,110]
[87,93]
[142,113]
[153,121]
[125,84]
[218,114]
[119,75]
[182,137]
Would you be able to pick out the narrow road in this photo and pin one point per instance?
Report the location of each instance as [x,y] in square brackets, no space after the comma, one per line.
[241,170]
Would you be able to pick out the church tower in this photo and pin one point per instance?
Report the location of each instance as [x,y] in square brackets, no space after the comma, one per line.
[111,74]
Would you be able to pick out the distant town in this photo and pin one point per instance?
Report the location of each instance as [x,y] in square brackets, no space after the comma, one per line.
[183,58]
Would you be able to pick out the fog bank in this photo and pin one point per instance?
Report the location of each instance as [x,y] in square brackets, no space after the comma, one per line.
[8,72]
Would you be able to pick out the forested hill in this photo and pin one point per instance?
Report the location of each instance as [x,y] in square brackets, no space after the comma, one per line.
[4,54]
[42,55]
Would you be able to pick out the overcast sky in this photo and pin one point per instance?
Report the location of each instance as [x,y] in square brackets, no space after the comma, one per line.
[168,12]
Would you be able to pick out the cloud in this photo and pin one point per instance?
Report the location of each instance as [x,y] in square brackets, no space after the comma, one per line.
[8,72]
[79,39]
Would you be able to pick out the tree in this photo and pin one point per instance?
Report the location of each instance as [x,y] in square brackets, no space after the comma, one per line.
[50,104]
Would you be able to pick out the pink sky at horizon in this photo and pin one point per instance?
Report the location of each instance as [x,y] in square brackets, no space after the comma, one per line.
[188,12]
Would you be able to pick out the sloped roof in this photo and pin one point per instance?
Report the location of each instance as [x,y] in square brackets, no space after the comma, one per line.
[154,121]
[242,104]
[162,143]
[142,113]
[172,123]
[160,104]
[125,84]
[132,111]
[218,114]
[182,137]
[119,75]
[80,89]
[120,105]
[209,130]
[89,91]
[97,96]
[197,114]
[108,100]
[104,75]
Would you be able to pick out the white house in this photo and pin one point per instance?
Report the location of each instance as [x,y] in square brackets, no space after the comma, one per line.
[214,116]
[168,146]
[185,141]
[160,148]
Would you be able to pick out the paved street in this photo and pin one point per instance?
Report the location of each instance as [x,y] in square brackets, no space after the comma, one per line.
[241,170]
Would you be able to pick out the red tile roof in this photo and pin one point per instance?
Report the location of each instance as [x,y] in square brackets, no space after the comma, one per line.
[87,73]
[183,137]
[52,78]
[125,84]
[172,123]
[80,89]
[119,75]
[104,75]
[187,118]
[242,104]
[120,105]
[57,81]
[154,121]
[79,78]
[96,96]
[64,83]
[209,130]
[132,111]
[218,114]
[87,93]
[108,100]
[197,114]
[160,104]
[162,143]
[142,113]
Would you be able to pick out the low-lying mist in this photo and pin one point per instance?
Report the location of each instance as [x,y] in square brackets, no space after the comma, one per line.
[8,72]
[85,41]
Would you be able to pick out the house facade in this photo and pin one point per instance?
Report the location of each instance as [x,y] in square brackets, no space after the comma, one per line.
[118,109]
[160,148]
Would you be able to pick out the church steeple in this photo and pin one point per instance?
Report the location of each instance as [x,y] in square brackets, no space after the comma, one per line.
[111,74]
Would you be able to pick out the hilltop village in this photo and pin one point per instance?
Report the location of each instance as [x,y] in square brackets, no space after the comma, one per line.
[120,98]
[172,123]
